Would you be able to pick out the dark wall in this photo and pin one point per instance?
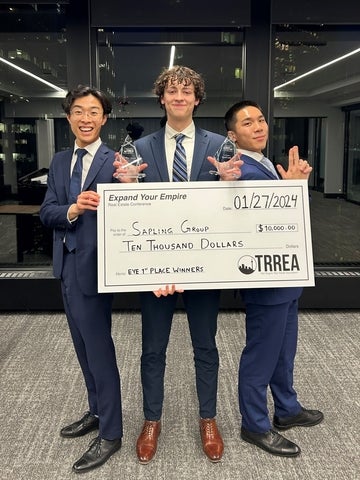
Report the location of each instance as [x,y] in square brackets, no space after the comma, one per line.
[167,13]
[45,295]
[316,12]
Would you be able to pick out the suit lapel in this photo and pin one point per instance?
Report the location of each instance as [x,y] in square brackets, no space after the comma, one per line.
[66,167]
[96,165]
[200,149]
[258,166]
[157,145]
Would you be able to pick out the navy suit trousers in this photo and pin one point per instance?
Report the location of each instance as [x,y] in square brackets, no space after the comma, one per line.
[157,313]
[268,360]
[89,319]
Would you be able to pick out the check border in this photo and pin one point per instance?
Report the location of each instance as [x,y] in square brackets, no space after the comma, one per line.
[205,267]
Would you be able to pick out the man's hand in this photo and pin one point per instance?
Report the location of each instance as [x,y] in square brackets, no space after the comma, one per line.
[229,170]
[298,169]
[168,290]
[125,171]
[87,200]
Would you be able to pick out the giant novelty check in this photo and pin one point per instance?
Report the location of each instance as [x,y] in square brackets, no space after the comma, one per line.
[204,235]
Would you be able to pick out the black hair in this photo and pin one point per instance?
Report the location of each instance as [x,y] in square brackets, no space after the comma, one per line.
[230,115]
[83,91]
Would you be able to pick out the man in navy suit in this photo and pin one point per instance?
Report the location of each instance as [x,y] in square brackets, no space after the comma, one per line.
[179,90]
[88,312]
[271,313]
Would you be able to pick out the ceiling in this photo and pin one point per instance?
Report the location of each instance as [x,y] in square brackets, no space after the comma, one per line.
[299,51]
[34,38]
[42,54]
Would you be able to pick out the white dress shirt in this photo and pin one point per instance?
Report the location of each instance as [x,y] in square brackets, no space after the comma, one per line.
[188,143]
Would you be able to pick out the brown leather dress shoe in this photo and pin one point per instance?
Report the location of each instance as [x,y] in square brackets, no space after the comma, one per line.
[146,444]
[212,442]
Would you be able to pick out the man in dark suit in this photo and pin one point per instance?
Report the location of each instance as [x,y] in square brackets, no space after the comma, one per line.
[179,90]
[271,313]
[74,222]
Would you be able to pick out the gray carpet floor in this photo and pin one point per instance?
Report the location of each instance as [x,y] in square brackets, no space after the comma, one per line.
[41,390]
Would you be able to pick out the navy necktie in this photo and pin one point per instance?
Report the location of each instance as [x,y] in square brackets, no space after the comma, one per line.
[74,190]
[75,181]
[179,165]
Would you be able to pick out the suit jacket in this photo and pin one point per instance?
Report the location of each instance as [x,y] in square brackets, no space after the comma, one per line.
[152,149]
[254,170]
[53,214]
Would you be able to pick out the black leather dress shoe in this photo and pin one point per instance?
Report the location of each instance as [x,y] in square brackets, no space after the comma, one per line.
[85,425]
[272,442]
[306,418]
[99,452]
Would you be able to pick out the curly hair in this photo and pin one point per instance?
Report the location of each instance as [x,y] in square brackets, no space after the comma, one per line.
[182,75]
[83,91]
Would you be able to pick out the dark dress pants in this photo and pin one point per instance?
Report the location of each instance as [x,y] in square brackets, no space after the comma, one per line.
[202,308]
[89,319]
[268,360]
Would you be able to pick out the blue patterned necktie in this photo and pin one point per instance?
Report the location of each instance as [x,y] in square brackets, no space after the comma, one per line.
[179,165]
[74,190]
[269,165]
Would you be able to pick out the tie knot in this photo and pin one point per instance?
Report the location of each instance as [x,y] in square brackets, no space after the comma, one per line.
[179,138]
[80,152]
[269,165]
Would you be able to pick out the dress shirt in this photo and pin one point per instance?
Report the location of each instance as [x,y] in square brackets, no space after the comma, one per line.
[255,155]
[188,144]
[87,161]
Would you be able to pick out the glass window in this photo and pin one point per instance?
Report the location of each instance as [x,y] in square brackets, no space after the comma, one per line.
[129,63]
[33,72]
[316,75]
[353,160]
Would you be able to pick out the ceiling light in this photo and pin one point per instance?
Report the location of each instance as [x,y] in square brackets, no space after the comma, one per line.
[26,72]
[172,56]
[320,67]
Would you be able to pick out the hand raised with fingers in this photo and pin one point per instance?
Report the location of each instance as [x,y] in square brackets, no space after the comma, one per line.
[229,170]
[298,168]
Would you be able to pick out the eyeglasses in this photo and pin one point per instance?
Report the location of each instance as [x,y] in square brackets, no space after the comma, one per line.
[79,112]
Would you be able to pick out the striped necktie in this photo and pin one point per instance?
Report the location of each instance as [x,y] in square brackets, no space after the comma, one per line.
[269,165]
[179,165]
[74,190]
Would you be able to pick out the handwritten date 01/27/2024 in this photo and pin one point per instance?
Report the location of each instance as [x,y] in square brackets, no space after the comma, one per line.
[265,201]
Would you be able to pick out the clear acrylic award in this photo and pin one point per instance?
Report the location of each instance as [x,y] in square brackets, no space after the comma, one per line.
[130,154]
[225,153]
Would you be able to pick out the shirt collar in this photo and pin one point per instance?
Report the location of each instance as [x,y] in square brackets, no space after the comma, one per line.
[91,148]
[189,131]
[255,155]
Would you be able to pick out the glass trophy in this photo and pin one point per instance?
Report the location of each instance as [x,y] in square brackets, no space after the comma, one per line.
[225,153]
[129,152]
